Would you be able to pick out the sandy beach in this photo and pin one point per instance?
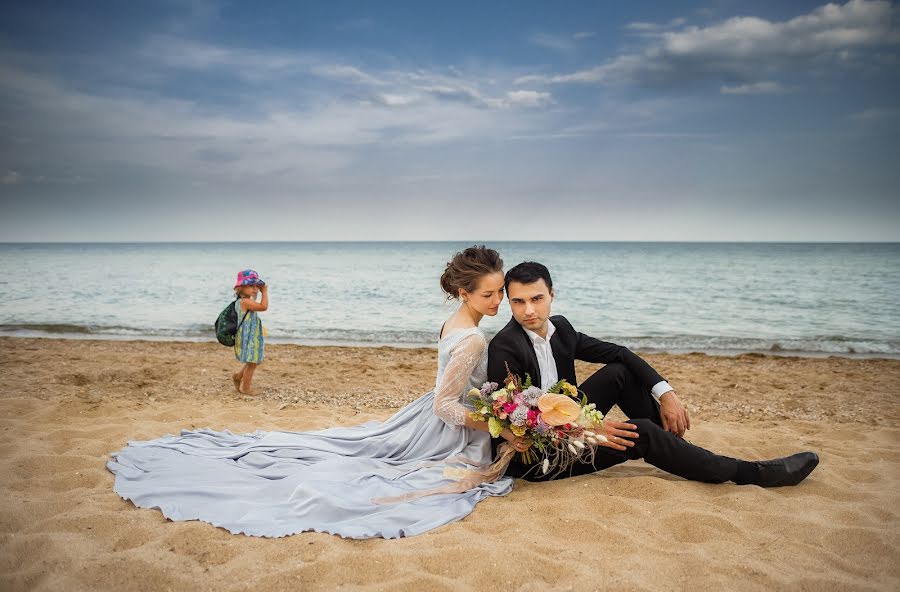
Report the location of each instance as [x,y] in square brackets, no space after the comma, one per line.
[66,405]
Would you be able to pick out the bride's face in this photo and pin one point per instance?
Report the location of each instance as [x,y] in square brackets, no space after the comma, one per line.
[487,296]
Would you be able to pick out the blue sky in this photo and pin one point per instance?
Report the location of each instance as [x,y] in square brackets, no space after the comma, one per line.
[205,120]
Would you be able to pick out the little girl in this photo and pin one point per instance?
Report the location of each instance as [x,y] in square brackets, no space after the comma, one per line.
[249,339]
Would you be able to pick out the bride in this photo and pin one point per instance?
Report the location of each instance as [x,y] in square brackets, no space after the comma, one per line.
[426,466]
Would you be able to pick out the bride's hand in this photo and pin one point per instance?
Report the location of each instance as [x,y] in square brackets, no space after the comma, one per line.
[520,443]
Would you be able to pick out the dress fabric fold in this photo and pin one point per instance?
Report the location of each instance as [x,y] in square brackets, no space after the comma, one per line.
[278,483]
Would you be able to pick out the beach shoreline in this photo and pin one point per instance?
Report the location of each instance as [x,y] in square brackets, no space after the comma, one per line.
[726,353]
[68,404]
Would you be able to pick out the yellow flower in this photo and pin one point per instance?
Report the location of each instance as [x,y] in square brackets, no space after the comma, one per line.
[518,430]
[495,426]
[558,409]
[501,394]
[474,392]
[570,389]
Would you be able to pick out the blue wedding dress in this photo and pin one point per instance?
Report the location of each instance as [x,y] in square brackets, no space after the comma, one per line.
[416,471]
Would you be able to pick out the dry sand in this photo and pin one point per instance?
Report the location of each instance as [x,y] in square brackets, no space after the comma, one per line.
[65,405]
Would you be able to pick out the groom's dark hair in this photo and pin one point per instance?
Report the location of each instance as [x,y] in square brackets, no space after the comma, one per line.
[528,272]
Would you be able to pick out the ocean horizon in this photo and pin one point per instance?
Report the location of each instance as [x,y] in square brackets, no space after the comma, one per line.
[721,298]
[470,242]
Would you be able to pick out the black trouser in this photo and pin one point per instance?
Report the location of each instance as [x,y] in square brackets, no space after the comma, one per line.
[612,385]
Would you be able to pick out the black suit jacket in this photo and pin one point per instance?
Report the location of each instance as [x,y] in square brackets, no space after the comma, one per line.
[512,346]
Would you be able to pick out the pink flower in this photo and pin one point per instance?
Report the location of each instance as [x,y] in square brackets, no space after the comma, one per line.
[509,407]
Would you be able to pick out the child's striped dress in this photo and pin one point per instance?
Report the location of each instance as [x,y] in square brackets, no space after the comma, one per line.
[249,341]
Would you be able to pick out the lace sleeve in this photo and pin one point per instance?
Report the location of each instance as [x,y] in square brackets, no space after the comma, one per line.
[464,357]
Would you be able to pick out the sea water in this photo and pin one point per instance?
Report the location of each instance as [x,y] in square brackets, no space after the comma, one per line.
[721,298]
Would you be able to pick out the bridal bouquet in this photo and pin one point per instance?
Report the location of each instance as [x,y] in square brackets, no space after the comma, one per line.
[560,425]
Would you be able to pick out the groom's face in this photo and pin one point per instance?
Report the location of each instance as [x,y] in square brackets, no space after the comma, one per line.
[530,304]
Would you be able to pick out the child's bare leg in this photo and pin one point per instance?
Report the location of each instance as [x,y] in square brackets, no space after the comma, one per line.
[237,377]
[248,371]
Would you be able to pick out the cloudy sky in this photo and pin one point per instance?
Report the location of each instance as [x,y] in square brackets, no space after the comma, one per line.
[205,120]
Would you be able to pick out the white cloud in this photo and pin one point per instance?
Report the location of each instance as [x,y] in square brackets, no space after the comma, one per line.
[248,64]
[876,115]
[560,43]
[295,133]
[528,98]
[11,178]
[471,96]
[646,28]
[554,42]
[830,28]
[346,73]
[463,94]
[531,78]
[743,48]
[184,54]
[461,89]
[399,88]
[642,26]
[757,88]
[395,100]
[16,178]
[617,69]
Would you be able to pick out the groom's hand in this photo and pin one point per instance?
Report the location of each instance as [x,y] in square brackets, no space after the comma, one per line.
[675,417]
[617,434]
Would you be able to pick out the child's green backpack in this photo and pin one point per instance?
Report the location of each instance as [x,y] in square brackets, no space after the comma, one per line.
[227,324]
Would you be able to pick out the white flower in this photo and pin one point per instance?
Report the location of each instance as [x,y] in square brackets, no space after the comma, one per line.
[520,416]
[531,395]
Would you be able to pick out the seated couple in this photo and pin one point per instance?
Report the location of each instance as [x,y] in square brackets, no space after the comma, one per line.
[431,462]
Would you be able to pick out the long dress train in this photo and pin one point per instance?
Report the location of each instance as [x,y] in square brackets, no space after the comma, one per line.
[274,484]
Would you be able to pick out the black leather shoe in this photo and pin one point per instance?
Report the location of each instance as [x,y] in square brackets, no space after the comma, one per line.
[789,470]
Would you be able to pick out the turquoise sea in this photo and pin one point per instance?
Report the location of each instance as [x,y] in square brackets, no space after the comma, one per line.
[720,298]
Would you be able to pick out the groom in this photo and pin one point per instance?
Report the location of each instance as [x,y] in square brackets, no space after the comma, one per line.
[546,348]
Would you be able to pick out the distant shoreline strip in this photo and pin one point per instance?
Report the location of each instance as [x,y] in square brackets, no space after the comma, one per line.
[716,346]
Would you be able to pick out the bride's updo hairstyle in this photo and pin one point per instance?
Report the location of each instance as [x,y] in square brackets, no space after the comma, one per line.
[467,267]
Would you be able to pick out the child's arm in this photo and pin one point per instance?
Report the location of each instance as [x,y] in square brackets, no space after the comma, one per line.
[263,304]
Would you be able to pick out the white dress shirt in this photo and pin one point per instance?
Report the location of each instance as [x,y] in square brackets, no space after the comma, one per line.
[547,365]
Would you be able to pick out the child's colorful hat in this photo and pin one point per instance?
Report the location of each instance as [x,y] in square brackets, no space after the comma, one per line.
[248,277]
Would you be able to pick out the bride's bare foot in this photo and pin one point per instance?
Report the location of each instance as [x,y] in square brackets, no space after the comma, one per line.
[236,379]
[248,391]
